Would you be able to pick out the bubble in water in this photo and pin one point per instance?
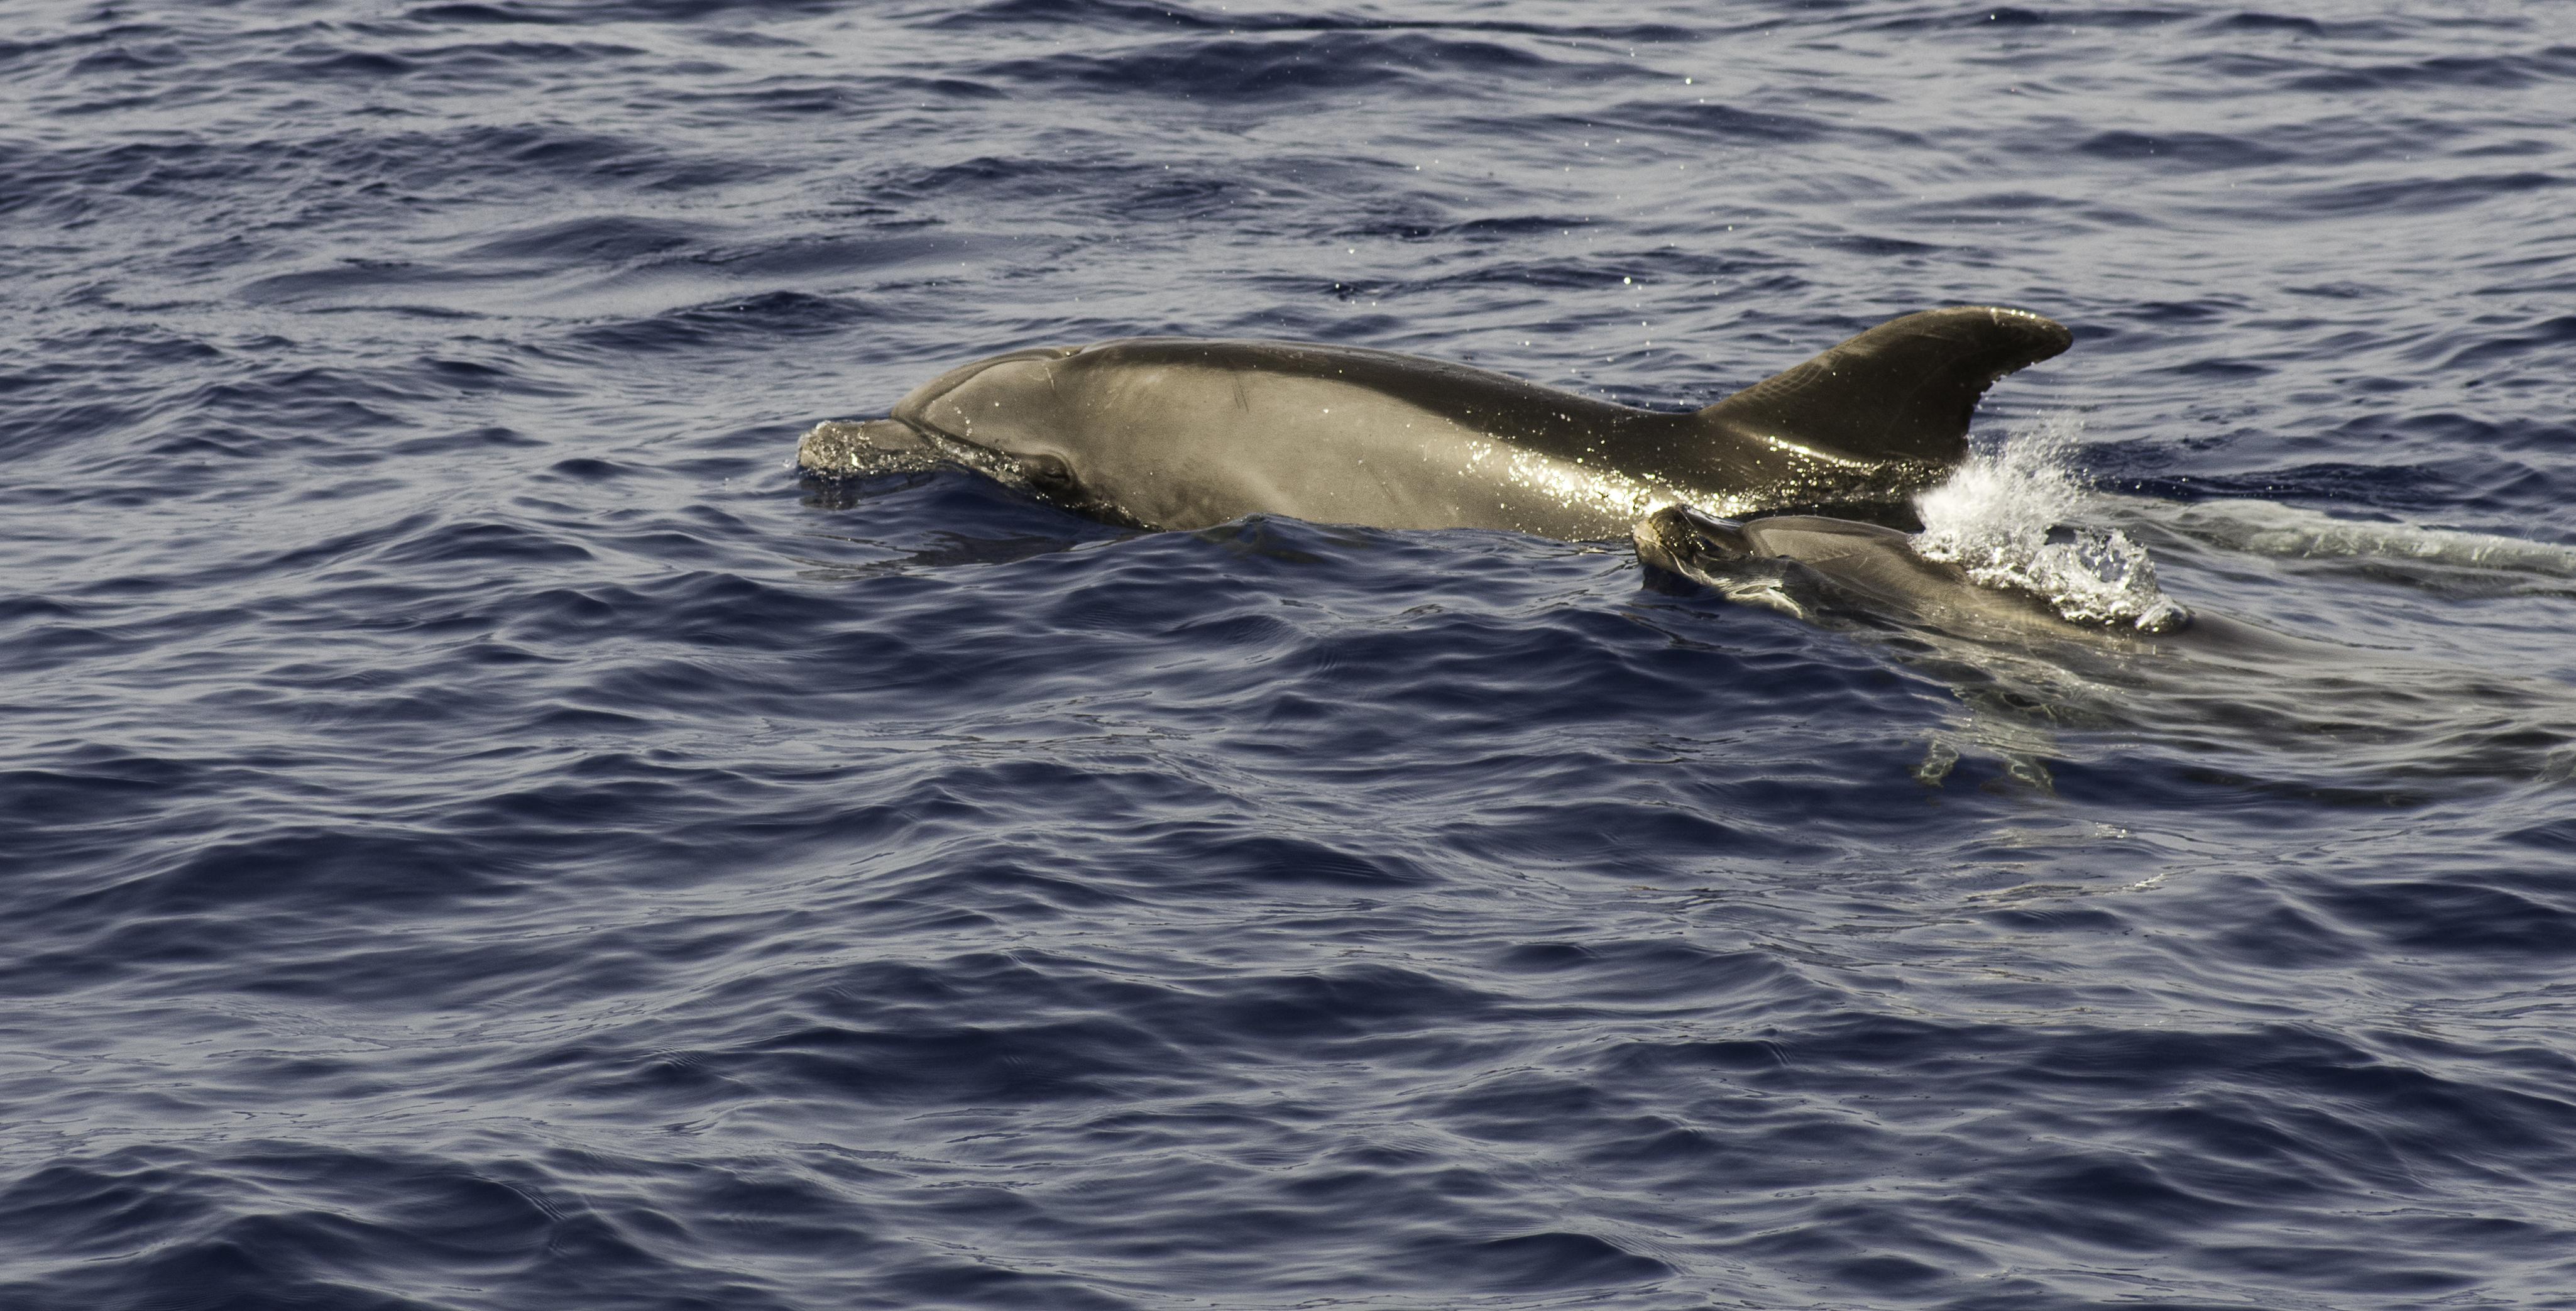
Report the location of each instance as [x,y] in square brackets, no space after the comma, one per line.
[1997,515]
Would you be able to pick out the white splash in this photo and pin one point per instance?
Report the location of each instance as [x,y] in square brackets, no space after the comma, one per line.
[1995,518]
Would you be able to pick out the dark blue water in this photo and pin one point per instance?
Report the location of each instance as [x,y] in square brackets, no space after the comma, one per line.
[479,830]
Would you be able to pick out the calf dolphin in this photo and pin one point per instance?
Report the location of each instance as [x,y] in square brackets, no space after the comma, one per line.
[1873,570]
[1166,432]
[1862,565]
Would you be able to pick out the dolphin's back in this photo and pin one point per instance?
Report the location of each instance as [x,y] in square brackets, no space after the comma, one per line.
[1178,432]
[1497,403]
[1879,415]
[1183,433]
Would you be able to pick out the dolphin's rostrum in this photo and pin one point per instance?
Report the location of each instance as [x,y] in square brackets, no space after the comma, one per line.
[1184,433]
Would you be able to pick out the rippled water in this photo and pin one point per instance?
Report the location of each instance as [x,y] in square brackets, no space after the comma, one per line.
[481,831]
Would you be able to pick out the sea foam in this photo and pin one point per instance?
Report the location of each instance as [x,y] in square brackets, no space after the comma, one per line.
[2007,518]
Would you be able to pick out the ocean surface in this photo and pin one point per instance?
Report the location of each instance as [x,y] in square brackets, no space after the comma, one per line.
[479,829]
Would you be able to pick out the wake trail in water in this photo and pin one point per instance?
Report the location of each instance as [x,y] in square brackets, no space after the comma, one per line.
[2270,528]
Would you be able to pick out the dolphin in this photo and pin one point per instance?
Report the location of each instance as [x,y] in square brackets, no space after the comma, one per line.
[1870,570]
[1861,566]
[1169,432]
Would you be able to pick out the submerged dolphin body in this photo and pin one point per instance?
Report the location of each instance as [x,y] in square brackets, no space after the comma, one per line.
[1183,433]
[1867,570]
[1862,566]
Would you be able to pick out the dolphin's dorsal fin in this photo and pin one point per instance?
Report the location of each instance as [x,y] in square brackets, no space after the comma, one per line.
[1903,390]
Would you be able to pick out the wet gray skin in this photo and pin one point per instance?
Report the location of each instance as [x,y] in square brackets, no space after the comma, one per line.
[1182,433]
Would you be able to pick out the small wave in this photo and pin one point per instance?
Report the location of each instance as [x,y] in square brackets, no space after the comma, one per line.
[755,321]
[1221,72]
[1100,15]
[2191,150]
[2003,518]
